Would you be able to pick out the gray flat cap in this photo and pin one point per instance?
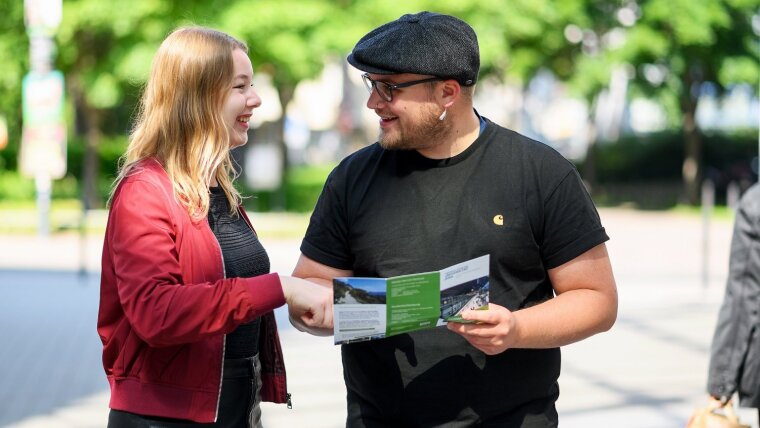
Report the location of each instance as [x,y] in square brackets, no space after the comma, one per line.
[422,43]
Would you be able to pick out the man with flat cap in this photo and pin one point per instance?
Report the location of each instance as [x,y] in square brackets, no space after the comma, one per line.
[443,185]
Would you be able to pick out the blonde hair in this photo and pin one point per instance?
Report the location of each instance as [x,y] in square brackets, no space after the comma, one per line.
[179,119]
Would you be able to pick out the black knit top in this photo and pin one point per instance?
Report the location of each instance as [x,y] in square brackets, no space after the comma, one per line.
[244,256]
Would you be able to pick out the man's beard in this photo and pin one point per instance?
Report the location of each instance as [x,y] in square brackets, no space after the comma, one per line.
[426,133]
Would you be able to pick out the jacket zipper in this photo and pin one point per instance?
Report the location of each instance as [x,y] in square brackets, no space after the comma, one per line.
[224,338]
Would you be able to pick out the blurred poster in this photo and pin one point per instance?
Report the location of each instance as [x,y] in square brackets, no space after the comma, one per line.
[43,140]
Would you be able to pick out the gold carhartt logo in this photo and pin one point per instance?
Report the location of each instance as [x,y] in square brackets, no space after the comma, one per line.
[498,220]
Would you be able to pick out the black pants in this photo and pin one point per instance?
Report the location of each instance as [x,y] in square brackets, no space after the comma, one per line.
[238,404]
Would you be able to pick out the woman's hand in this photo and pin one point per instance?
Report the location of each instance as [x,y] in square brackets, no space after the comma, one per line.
[309,305]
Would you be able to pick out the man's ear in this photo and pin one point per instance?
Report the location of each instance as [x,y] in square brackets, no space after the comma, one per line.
[449,92]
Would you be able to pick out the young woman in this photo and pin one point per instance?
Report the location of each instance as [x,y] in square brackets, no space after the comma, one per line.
[186,295]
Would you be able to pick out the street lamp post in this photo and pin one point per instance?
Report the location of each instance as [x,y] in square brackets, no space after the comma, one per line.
[43,142]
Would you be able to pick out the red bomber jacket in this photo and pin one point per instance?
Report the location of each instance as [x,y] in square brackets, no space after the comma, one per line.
[165,306]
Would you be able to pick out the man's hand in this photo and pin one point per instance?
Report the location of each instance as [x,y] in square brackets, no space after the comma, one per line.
[494,332]
[309,304]
[585,304]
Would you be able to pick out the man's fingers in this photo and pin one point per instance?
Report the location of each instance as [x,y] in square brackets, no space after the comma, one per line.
[485,345]
[473,330]
[477,316]
[492,315]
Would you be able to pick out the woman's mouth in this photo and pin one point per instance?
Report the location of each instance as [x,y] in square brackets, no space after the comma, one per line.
[242,121]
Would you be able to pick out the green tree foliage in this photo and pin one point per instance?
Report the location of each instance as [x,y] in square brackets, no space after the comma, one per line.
[290,39]
[102,51]
[516,38]
[694,42]
[674,47]
[105,48]
[14,63]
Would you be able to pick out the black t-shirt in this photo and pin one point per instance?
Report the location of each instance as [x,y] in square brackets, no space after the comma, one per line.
[385,213]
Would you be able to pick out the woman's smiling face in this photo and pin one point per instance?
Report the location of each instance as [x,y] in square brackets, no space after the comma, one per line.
[241,99]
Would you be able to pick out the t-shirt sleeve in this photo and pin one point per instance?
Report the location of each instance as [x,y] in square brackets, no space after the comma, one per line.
[571,223]
[326,239]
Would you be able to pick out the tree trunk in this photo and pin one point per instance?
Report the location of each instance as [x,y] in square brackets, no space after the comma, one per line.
[91,167]
[286,95]
[88,121]
[589,164]
[692,164]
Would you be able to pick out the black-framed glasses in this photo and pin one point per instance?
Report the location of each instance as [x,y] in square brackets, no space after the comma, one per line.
[385,90]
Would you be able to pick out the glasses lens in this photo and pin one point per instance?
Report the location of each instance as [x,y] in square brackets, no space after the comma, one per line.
[367,82]
[384,90]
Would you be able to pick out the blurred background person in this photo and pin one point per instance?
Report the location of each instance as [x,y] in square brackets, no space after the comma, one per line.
[735,355]
[186,298]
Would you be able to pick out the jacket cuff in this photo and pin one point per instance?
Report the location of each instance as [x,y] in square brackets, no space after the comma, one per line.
[265,292]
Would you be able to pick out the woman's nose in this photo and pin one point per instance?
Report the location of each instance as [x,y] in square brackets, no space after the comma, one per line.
[254,100]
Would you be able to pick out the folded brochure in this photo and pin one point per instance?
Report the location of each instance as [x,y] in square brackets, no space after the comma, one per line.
[374,308]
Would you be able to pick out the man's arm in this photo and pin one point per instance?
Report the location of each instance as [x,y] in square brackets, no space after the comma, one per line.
[321,274]
[586,304]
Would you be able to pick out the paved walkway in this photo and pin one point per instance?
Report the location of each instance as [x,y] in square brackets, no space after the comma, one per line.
[649,371]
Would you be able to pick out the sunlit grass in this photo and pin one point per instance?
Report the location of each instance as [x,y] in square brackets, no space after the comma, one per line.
[720,212]
[58,204]
[22,217]
[280,225]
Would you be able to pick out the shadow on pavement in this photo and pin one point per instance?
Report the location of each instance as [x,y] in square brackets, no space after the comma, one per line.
[51,351]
